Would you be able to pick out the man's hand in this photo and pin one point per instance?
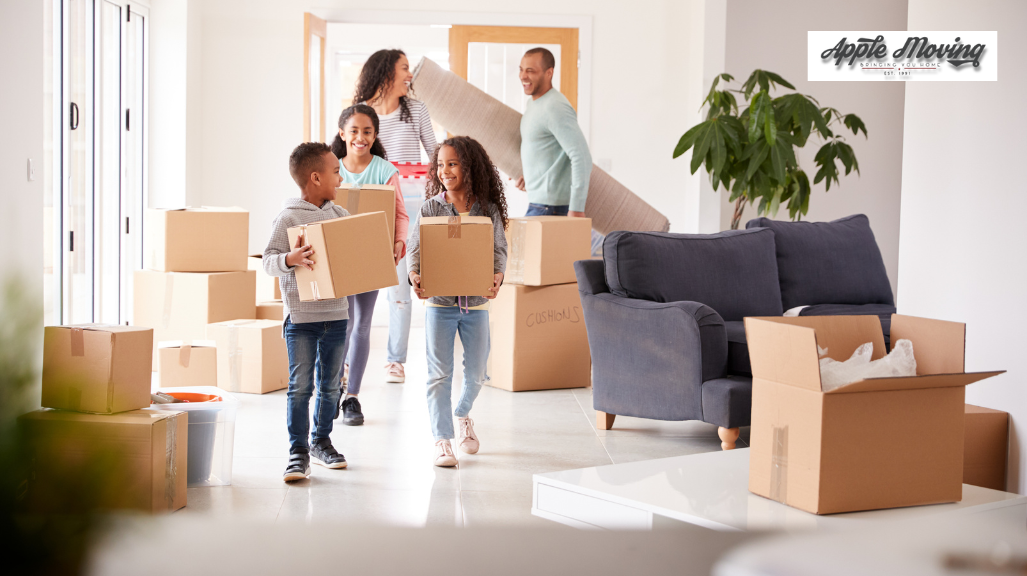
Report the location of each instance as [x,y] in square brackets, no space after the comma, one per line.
[520,184]
[398,251]
[497,281]
[300,255]
[415,280]
[574,214]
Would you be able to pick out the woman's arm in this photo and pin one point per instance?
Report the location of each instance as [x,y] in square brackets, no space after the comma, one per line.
[426,132]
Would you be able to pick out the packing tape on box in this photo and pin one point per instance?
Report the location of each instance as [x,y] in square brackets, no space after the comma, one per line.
[183,355]
[314,291]
[454,226]
[515,263]
[234,360]
[779,465]
[78,345]
[170,466]
[169,291]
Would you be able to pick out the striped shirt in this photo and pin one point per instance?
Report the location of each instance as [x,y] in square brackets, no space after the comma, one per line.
[403,140]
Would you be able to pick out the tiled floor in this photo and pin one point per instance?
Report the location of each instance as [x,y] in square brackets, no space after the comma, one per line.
[391,480]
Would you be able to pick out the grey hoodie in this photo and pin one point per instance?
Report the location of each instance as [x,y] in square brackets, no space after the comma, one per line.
[294,213]
[437,206]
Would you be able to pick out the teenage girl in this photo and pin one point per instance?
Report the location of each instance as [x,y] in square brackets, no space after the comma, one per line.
[462,180]
[362,161]
[384,85]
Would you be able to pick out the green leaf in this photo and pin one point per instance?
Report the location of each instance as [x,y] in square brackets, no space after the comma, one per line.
[770,126]
[775,201]
[852,122]
[718,148]
[779,80]
[687,140]
[760,150]
[702,144]
[777,162]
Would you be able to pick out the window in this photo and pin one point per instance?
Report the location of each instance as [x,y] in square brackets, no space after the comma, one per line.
[94,223]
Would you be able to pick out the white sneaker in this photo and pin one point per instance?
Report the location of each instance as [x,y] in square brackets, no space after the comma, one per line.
[394,373]
[468,439]
[444,454]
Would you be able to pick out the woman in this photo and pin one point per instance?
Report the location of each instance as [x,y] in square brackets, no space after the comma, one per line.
[405,128]
[362,161]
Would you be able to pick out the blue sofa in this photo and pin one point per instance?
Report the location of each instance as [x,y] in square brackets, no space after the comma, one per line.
[664,312]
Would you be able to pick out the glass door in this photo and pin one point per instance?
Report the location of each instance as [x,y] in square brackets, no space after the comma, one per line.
[133,165]
[107,255]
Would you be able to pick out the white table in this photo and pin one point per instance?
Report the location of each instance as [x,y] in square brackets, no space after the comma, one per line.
[711,490]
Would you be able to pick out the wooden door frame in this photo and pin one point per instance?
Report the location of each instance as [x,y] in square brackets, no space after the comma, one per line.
[313,26]
[461,35]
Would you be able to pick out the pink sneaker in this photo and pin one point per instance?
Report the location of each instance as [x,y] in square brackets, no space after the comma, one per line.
[444,456]
[468,439]
[394,373]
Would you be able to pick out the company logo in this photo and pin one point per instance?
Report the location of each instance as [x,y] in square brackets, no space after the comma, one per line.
[890,56]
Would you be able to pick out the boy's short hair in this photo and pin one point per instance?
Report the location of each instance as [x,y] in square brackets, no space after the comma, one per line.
[547,57]
[305,159]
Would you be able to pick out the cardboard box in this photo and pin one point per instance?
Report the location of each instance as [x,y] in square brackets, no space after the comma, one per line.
[196,239]
[179,306]
[268,288]
[543,249]
[876,443]
[271,311]
[986,447]
[97,368]
[252,356]
[367,198]
[539,340]
[457,255]
[187,364]
[132,460]
[352,255]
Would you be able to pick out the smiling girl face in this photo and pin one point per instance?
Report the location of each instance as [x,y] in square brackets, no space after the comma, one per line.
[359,135]
[450,172]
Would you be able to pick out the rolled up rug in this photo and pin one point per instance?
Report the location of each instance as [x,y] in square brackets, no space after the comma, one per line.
[465,110]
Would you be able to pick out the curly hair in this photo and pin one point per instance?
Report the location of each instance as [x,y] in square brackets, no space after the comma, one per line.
[482,177]
[339,147]
[377,77]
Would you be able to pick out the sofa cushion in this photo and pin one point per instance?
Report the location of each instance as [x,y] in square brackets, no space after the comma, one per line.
[882,311]
[834,262]
[737,349]
[733,272]
[727,401]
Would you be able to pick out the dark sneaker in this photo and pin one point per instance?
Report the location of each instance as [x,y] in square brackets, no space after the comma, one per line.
[298,468]
[326,455]
[351,414]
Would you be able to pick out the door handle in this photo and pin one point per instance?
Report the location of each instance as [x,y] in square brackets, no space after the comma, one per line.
[74,116]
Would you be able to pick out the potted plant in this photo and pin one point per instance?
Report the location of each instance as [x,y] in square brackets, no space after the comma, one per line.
[752,152]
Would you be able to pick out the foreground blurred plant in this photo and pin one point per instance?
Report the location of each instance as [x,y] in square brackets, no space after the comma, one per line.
[31,543]
[752,152]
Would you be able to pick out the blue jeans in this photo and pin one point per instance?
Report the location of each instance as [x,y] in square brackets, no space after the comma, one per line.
[315,351]
[358,337]
[399,315]
[441,325]
[546,210]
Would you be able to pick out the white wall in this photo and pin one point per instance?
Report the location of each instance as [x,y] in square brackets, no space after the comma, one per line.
[963,239]
[22,102]
[772,36]
[252,82]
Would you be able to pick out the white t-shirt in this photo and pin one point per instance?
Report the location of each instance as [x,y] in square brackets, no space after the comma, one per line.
[403,139]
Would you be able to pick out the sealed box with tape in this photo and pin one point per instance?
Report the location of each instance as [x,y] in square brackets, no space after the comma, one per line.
[352,255]
[187,363]
[196,239]
[252,356]
[543,249]
[367,198]
[875,443]
[97,368]
[539,340]
[133,460]
[457,255]
[179,306]
[268,288]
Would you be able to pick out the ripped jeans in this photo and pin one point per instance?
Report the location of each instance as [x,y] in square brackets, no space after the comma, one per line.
[441,326]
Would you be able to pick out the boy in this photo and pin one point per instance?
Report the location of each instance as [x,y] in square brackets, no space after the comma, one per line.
[314,331]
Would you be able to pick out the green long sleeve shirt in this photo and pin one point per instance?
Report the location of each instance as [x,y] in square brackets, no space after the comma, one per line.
[554,154]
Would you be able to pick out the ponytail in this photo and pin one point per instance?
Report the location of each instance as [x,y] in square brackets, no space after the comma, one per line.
[339,147]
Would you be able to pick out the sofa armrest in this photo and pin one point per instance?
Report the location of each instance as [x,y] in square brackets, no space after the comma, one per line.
[649,359]
[591,276]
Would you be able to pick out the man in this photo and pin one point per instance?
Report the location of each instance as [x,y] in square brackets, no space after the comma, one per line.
[554,155]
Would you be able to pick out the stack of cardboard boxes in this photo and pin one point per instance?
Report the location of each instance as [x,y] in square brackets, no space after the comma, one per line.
[539,340]
[198,285]
[96,445]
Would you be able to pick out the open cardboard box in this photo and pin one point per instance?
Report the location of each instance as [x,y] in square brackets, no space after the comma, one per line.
[367,198]
[875,443]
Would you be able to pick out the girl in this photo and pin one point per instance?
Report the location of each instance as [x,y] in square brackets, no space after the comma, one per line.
[362,161]
[384,85]
[462,180]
